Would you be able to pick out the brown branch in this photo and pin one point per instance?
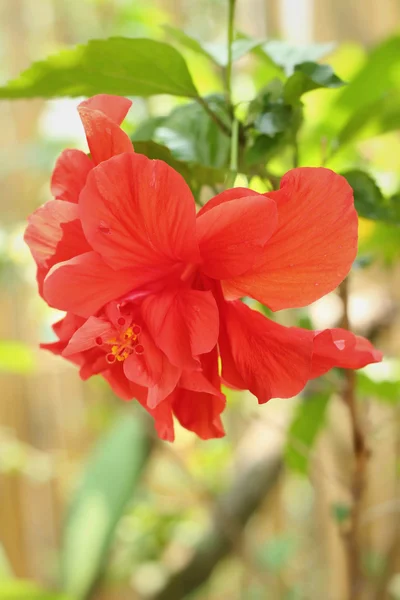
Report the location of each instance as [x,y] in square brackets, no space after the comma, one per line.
[361,455]
[217,120]
[230,516]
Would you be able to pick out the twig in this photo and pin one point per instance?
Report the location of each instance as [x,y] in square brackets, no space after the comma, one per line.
[394,548]
[231,514]
[217,120]
[361,455]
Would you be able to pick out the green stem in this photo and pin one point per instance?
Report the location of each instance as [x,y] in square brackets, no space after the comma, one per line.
[213,115]
[233,165]
[231,27]
[234,146]
[295,153]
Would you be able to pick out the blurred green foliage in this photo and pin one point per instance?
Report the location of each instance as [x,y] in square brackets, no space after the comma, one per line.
[298,111]
[107,485]
[16,357]
[307,422]
[24,590]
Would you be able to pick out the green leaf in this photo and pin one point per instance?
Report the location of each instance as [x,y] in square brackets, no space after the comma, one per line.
[307,422]
[194,174]
[215,52]
[272,124]
[108,484]
[368,198]
[387,391]
[188,41]
[241,47]
[383,243]
[124,66]
[147,128]
[262,148]
[309,76]
[379,75]
[276,120]
[26,590]
[192,136]
[372,120]
[394,209]
[16,357]
[287,55]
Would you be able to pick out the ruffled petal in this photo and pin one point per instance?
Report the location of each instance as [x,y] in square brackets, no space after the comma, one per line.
[163,419]
[85,337]
[54,234]
[70,174]
[101,117]
[114,107]
[341,348]
[313,247]
[121,386]
[66,327]
[152,370]
[184,323]
[226,196]
[139,213]
[93,363]
[271,360]
[198,402]
[232,235]
[85,284]
[64,330]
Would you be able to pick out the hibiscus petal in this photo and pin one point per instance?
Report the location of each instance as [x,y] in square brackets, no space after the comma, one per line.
[198,402]
[44,231]
[162,415]
[313,247]
[271,360]
[85,337]
[163,421]
[84,284]
[121,386]
[69,175]
[232,235]
[152,370]
[183,323]
[104,137]
[66,327]
[341,348]
[93,363]
[226,196]
[54,234]
[114,107]
[54,347]
[139,213]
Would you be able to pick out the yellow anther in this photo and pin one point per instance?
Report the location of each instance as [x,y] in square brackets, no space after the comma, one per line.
[128,334]
[122,347]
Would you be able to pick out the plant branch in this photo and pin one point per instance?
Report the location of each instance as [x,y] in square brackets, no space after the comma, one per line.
[361,455]
[217,120]
[233,163]
[229,518]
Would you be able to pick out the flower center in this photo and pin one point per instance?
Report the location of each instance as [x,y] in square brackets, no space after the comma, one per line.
[123,345]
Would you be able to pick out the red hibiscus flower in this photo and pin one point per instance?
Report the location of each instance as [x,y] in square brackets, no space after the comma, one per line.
[152,290]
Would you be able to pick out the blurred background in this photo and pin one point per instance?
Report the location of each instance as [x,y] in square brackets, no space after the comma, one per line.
[262,513]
